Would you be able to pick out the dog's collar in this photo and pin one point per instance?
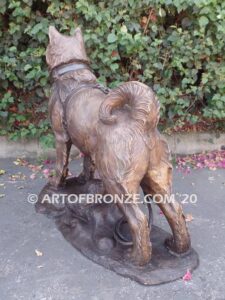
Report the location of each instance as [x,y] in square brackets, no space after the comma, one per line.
[61,70]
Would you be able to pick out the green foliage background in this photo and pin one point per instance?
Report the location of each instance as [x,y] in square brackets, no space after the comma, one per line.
[175,46]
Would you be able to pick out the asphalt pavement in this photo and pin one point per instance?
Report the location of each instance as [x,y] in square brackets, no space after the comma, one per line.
[37,263]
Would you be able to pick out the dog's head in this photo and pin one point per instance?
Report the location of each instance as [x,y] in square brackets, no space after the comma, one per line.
[64,49]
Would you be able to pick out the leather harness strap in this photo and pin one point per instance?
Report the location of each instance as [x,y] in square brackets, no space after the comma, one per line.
[77,90]
[61,70]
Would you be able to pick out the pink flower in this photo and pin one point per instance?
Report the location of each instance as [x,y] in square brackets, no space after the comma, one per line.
[46,171]
[46,162]
[187,276]
[222,164]
[199,165]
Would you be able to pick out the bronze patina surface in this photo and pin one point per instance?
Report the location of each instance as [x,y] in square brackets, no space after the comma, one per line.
[116,130]
[100,232]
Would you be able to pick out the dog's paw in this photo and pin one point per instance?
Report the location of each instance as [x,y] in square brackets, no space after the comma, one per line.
[177,247]
[139,258]
[54,182]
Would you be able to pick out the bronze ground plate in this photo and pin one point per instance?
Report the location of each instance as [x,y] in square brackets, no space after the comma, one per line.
[97,232]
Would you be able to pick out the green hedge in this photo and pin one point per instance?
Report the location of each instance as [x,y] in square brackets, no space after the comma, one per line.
[177,47]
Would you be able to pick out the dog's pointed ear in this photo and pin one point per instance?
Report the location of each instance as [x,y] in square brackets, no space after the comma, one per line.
[53,34]
[78,34]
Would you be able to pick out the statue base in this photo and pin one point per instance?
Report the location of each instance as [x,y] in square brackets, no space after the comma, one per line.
[99,231]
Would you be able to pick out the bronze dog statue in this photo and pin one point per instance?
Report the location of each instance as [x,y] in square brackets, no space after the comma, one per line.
[117,132]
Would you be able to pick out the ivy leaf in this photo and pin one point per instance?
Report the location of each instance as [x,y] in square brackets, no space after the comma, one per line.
[203,21]
[123,29]
[27,67]
[36,28]
[3,114]
[111,38]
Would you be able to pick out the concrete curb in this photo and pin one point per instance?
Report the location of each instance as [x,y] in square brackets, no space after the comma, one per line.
[189,143]
[180,143]
[27,148]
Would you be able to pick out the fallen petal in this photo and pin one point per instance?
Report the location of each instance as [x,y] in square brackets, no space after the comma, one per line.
[32,176]
[46,171]
[187,276]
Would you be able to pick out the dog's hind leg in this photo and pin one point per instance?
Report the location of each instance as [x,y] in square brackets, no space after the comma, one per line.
[157,182]
[136,219]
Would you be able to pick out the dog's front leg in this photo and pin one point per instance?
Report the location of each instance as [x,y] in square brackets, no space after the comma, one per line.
[62,159]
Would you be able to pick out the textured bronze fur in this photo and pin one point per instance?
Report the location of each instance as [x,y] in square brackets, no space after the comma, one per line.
[118,135]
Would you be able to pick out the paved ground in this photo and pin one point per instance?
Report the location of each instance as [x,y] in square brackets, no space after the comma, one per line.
[63,273]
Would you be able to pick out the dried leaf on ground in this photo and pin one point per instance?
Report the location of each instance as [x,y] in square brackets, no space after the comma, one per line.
[38,252]
[33,176]
[20,162]
[2,172]
[20,187]
[210,160]
[189,218]
[17,176]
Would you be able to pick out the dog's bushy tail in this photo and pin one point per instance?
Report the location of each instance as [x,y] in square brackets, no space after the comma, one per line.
[141,100]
